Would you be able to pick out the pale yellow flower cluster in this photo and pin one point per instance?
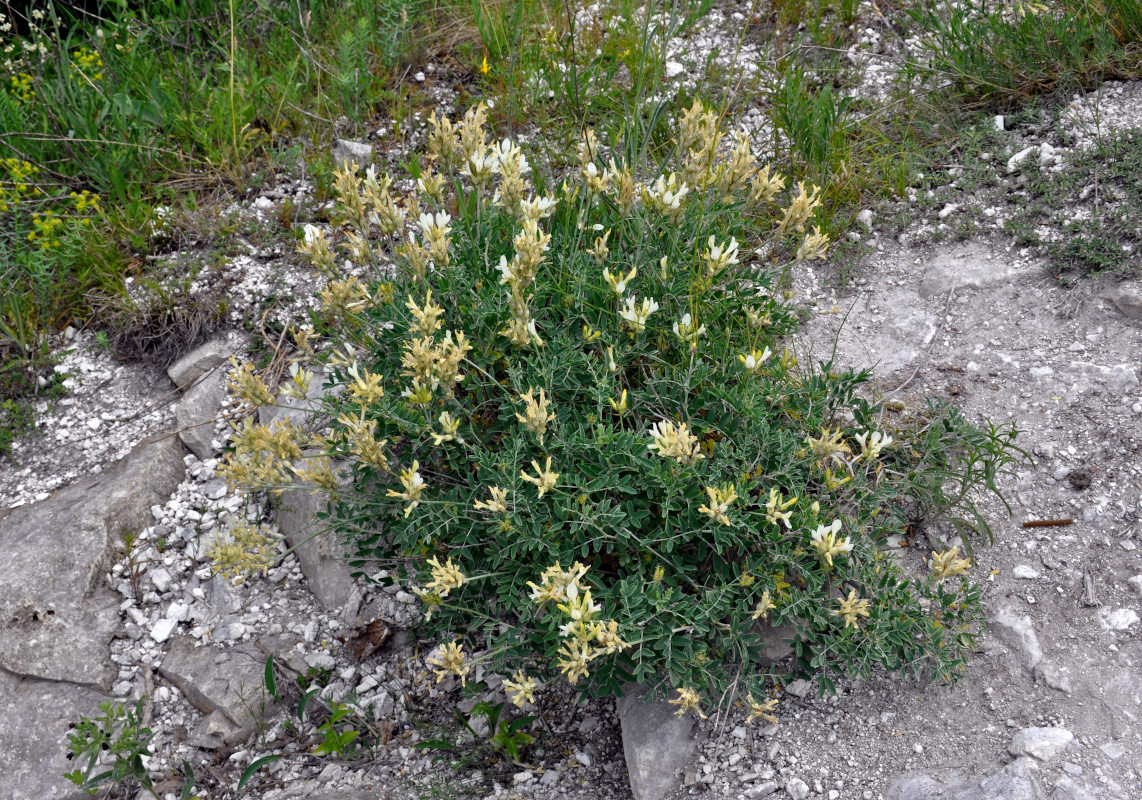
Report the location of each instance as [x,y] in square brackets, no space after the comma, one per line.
[689,331]
[763,711]
[871,443]
[497,504]
[586,636]
[675,441]
[720,256]
[720,498]
[248,385]
[665,196]
[449,660]
[635,314]
[754,360]
[852,608]
[413,487]
[828,543]
[537,413]
[800,209]
[431,364]
[687,700]
[262,455]
[948,564]
[530,247]
[248,549]
[699,139]
[777,509]
[544,479]
[521,689]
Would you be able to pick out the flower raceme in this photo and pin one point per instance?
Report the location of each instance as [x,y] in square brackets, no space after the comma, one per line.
[828,544]
[675,441]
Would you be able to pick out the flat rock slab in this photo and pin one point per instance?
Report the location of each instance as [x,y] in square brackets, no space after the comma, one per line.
[1016,781]
[201,360]
[891,343]
[319,553]
[969,266]
[196,412]
[229,680]
[57,618]
[1041,743]
[34,719]
[656,743]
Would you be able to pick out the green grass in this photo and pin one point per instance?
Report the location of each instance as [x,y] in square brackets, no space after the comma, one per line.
[1094,205]
[996,57]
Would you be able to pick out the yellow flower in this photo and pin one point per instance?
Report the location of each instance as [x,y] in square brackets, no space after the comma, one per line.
[413,485]
[521,688]
[618,282]
[763,607]
[544,478]
[427,318]
[852,608]
[365,388]
[827,542]
[720,256]
[576,654]
[763,711]
[829,445]
[498,502]
[871,443]
[754,360]
[607,638]
[537,413]
[620,405]
[445,577]
[484,68]
[815,245]
[948,564]
[558,584]
[450,425]
[776,509]
[675,441]
[449,660]
[581,610]
[687,700]
[591,334]
[719,503]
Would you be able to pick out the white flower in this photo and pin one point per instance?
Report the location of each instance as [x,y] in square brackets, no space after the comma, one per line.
[636,314]
[827,542]
[688,331]
[871,443]
[429,223]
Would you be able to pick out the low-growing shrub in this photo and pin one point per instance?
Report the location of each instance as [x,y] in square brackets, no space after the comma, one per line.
[568,419]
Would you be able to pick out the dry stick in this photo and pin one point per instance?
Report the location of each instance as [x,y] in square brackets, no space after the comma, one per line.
[1048,523]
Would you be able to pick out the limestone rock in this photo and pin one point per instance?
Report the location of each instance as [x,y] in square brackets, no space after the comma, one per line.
[319,554]
[229,680]
[200,360]
[34,716]
[358,153]
[196,412]
[775,648]
[966,266]
[914,786]
[57,618]
[657,744]
[1041,743]
[1127,298]
[1016,781]
[1017,632]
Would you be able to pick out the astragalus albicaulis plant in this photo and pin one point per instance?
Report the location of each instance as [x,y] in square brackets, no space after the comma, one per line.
[567,419]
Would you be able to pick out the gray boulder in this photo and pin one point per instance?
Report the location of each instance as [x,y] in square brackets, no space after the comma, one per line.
[1040,743]
[196,412]
[221,680]
[34,719]
[58,616]
[201,360]
[358,153]
[656,743]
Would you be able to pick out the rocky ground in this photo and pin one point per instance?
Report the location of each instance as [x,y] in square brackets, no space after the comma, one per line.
[114,505]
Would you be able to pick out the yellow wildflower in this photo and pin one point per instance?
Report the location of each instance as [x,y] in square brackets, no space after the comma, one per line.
[827,542]
[687,700]
[852,608]
[763,607]
[498,502]
[948,564]
[521,688]
[763,711]
[719,503]
[449,660]
[777,509]
[544,478]
[413,485]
